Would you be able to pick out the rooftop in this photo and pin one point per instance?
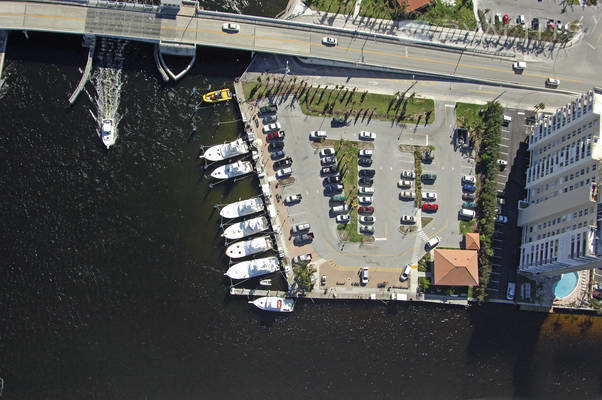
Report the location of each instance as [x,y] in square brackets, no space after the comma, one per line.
[472,241]
[413,5]
[456,267]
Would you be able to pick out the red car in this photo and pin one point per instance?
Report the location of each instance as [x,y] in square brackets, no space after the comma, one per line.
[505,19]
[276,135]
[430,207]
[365,210]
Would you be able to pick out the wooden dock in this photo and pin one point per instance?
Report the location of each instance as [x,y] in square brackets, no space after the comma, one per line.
[91,43]
[3,41]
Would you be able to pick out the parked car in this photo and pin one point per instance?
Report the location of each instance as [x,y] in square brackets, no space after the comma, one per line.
[230,27]
[295,198]
[519,66]
[469,179]
[367,219]
[462,135]
[535,23]
[404,183]
[429,196]
[408,174]
[366,153]
[339,198]
[271,127]
[406,273]
[408,219]
[342,219]
[317,135]
[367,229]
[431,243]
[469,188]
[334,188]
[339,121]
[501,219]
[287,162]
[276,146]
[306,237]
[366,190]
[521,20]
[283,173]
[323,280]
[366,182]
[276,155]
[329,41]
[364,161]
[340,209]
[364,275]
[365,199]
[430,207]
[465,213]
[366,135]
[469,204]
[328,160]
[552,83]
[302,258]
[365,210]
[505,19]
[275,135]
[429,177]
[269,119]
[327,152]
[468,196]
[367,173]
[300,228]
[502,163]
[510,290]
[270,108]
[406,194]
[332,179]
[333,169]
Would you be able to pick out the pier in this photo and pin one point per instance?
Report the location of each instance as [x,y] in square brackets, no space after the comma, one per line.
[90,42]
[3,40]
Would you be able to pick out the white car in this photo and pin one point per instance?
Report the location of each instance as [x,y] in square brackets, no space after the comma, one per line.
[501,219]
[469,179]
[510,290]
[317,135]
[429,196]
[329,41]
[519,65]
[340,209]
[302,258]
[408,195]
[366,153]
[365,135]
[365,199]
[553,83]
[366,190]
[271,127]
[502,163]
[327,152]
[364,275]
[432,243]
[408,219]
[282,173]
[300,228]
[404,183]
[408,174]
[367,219]
[230,27]
[406,273]
[342,219]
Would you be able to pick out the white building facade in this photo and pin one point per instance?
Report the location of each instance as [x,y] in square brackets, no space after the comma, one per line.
[560,218]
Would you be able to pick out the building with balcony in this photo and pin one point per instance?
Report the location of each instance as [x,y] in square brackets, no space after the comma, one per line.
[561,214]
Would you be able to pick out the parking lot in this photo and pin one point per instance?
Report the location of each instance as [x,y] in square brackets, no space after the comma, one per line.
[510,184]
[391,249]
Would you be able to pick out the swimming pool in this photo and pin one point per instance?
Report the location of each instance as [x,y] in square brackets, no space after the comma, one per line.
[566,285]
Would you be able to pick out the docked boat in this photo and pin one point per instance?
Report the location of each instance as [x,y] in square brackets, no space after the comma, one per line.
[217,96]
[249,247]
[246,228]
[275,304]
[265,282]
[107,132]
[253,268]
[242,208]
[233,170]
[227,150]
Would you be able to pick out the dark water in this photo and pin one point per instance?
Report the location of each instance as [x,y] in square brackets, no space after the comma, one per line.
[111,274]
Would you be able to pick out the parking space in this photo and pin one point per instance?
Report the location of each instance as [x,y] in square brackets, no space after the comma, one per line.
[510,184]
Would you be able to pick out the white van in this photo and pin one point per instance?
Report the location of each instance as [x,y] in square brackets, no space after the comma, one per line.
[432,243]
[507,120]
[465,213]
[366,190]
[340,209]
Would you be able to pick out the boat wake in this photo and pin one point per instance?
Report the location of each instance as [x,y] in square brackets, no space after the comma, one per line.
[107,81]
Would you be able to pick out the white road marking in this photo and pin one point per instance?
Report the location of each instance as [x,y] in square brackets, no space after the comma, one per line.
[506,130]
[504,145]
[589,44]
[520,113]
[380,238]
[450,105]
[506,138]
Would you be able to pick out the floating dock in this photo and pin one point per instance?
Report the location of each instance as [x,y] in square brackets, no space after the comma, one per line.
[3,40]
[90,42]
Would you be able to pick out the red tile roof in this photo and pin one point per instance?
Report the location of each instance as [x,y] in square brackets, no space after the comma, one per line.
[456,267]
[413,5]
[473,241]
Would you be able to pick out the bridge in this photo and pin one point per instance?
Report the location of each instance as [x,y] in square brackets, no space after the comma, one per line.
[204,28]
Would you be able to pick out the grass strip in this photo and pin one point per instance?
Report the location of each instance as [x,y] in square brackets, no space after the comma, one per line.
[347,154]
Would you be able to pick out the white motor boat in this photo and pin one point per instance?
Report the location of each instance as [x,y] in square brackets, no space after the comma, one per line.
[246,228]
[107,132]
[253,268]
[249,247]
[265,282]
[226,150]
[242,208]
[232,170]
[276,304]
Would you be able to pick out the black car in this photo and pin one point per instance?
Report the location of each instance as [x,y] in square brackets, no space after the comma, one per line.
[334,188]
[287,162]
[333,169]
[364,161]
[366,182]
[276,146]
[328,160]
[306,237]
[276,155]
[535,23]
[367,173]
[332,179]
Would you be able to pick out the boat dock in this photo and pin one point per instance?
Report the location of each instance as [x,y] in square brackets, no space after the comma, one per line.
[3,41]
[90,42]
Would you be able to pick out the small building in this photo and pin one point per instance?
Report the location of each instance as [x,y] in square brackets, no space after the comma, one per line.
[472,241]
[456,267]
[414,5]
